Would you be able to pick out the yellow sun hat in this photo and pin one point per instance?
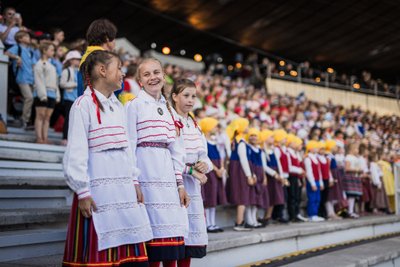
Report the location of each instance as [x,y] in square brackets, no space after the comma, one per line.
[265,134]
[290,139]
[208,124]
[238,125]
[312,144]
[330,144]
[298,141]
[126,97]
[279,135]
[253,131]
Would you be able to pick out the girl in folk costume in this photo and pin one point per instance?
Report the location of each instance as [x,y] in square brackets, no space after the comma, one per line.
[214,189]
[282,154]
[379,201]
[274,194]
[388,180]
[326,209]
[336,194]
[183,96]
[240,179]
[367,196]
[257,165]
[108,222]
[314,182]
[159,154]
[352,180]
[295,175]
[340,157]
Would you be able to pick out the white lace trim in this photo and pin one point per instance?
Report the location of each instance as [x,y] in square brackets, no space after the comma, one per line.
[196,234]
[122,232]
[116,206]
[167,227]
[158,184]
[108,181]
[162,205]
[196,216]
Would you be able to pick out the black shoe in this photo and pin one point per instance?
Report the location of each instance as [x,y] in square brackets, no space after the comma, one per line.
[212,230]
[248,226]
[296,220]
[241,227]
[264,222]
[282,220]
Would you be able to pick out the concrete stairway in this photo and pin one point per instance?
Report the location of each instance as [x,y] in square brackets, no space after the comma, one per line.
[34,198]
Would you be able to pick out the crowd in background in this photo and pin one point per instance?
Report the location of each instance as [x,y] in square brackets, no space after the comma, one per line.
[43,76]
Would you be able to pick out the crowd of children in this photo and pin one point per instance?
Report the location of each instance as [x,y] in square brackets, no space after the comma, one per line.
[145,174]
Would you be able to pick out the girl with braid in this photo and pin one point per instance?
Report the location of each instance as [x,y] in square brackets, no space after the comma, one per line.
[154,134]
[108,224]
[183,97]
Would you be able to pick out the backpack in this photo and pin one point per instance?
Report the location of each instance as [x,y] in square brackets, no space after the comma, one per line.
[19,53]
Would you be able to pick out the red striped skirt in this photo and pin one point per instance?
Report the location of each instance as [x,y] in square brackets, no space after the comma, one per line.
[81,246]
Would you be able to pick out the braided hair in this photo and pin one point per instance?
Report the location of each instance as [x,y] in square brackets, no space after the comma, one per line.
[87,70]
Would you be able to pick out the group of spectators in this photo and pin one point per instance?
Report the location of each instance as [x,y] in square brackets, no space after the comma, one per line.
[44,71]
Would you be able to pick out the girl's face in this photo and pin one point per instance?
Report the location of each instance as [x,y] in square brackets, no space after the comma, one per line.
[283,142]
[60,52]
[253,139]
[151,77]
[59,36]
[74,62]
[114,75]
[184,101]
[270,140]
[49,52]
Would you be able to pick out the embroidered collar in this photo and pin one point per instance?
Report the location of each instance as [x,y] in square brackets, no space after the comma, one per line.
[102,98]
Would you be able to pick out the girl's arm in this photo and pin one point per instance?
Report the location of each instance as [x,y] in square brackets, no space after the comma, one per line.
[268,170]
[75,162]
[309,172]
[243,159]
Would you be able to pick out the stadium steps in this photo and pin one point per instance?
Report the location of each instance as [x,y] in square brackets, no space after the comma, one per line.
[34,197]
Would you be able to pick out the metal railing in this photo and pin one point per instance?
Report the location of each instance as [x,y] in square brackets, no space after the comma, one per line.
[326,83]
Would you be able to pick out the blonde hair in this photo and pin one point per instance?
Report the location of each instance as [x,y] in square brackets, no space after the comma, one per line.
[152,59]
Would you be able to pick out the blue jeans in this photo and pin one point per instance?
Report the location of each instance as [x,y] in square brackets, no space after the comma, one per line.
[314,198]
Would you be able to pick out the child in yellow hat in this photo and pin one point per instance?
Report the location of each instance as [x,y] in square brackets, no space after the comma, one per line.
[335,195]
[255,158]
[274,194]
[326,207]
[314,182]
[214,190]
[280,149]
[296,173]
[240,177]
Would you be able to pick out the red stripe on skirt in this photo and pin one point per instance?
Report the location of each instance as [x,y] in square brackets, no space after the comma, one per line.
[81,245]
[167,241]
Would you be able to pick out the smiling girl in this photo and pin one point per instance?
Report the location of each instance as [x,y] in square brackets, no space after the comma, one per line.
[108,223]
[153,134]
